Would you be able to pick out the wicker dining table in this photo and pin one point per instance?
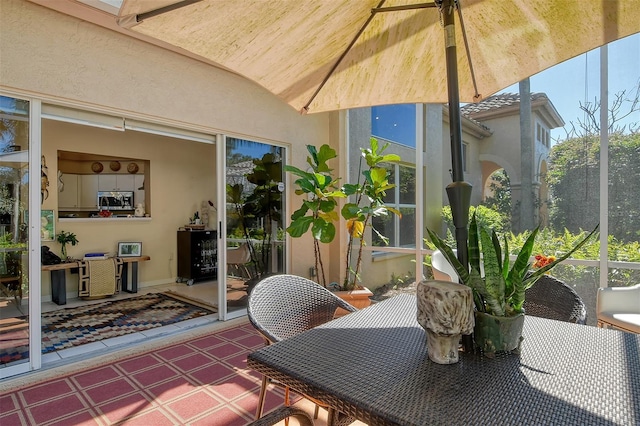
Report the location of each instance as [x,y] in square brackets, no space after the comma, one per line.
[373,365]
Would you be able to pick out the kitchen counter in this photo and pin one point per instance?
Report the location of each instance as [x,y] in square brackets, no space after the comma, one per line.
[103,219]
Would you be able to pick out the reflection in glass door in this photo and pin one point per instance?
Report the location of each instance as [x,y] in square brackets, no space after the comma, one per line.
[14,260]
[254,210]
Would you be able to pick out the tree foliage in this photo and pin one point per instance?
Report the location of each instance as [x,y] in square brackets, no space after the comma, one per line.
[574,176]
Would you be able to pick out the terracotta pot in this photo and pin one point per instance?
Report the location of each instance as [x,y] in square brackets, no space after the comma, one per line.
[357,298]
[493,334]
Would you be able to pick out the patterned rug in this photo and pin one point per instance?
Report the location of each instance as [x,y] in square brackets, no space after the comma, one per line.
[70,327]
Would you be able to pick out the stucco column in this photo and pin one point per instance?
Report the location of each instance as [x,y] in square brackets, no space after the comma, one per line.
[526,158]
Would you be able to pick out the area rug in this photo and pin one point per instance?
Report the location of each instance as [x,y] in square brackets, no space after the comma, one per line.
[70,327]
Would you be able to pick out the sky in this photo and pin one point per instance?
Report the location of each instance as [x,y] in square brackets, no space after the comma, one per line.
[571,82]
[566,84]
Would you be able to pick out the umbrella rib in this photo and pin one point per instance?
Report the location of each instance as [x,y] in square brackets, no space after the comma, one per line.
[155,12]
[374,11]
[477,96]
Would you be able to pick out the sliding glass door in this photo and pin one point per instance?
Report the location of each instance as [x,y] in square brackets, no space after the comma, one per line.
[254,216]
[14,238]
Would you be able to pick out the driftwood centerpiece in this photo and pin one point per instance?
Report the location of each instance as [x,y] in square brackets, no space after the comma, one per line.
[445,310]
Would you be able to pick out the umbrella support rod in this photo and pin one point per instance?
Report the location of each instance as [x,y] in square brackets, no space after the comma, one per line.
[150,14]
[404,7]
[374,11]
[477,97]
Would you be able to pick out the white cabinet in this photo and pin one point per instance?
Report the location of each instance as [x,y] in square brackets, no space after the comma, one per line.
[68,198]
[116,182]
[89,191]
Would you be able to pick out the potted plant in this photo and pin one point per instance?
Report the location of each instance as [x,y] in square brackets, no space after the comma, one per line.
[499,295]
[318,210]
[65,238]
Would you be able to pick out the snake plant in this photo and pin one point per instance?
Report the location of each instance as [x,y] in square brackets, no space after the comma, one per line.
[501,291]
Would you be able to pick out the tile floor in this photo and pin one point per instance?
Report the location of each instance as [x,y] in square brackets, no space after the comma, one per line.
[203,380]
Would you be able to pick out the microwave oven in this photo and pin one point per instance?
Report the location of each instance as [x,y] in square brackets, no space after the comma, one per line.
[115,200]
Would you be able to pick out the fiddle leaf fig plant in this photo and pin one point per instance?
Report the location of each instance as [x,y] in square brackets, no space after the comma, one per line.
[318,210]
[501,291]
[368,203]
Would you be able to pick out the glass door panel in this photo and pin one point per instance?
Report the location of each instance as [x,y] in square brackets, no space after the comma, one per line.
[14,260]
[254,211]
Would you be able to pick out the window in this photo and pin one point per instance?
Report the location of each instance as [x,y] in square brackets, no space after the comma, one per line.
[399,230]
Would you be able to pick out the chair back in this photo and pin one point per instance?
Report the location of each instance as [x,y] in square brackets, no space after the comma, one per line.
[281,306]
[442,270]
[239,255]
[551,298]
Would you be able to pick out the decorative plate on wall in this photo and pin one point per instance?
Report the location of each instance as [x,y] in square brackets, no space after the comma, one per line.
[97,167]
[114,165]
[133,168]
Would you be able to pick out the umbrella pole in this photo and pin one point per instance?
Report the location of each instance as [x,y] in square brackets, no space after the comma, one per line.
[459,191]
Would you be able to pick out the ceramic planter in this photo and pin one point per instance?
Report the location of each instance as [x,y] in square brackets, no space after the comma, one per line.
[493,334]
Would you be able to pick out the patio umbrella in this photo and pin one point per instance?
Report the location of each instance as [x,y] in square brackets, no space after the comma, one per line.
[323,55]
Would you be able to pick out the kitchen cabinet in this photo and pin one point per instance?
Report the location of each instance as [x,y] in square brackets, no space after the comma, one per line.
[89,191]
[68,198]
[197,256]
[120,182]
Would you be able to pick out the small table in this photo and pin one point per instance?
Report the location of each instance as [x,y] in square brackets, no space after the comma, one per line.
[373,365]
[58,277]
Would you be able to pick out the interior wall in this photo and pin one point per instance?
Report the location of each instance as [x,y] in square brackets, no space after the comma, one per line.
[182,175]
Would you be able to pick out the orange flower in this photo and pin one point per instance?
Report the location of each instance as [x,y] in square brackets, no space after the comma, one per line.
[542,260]
[355,227]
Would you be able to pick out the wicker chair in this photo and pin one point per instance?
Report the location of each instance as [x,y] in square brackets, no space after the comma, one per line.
[553,299]
[281,306]
[283,413]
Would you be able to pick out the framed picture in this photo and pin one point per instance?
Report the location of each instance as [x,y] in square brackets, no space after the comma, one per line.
[47,225]
[129,249]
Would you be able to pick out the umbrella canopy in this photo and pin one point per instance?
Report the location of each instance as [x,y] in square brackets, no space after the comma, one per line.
[291,46]
[324,55]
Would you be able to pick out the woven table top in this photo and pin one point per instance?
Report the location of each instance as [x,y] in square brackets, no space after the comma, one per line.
[373,365]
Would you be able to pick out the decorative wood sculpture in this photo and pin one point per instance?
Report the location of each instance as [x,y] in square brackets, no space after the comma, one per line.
[445,310]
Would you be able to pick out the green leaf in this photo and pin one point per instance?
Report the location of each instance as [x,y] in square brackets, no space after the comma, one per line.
[350,211]
[350,188]
[306,186]
[301,212]
[299,226]
[296,171]
[323,231]
[494,281]
[325,154]
[391,158]
[474,247]
[447,252]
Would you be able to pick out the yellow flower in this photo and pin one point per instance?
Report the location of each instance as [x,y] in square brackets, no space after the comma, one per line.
[355,228]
